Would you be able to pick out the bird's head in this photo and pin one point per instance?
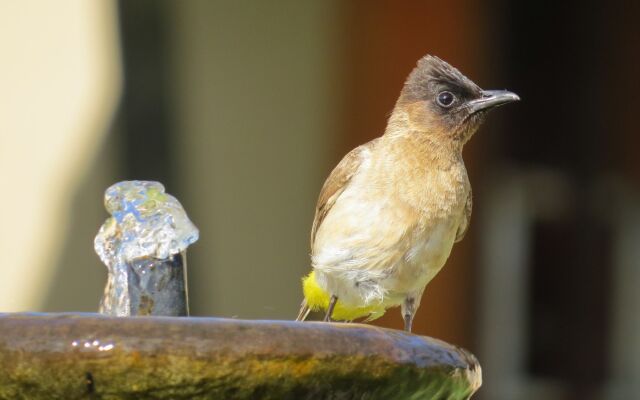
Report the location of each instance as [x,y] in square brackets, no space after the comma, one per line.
[442,101]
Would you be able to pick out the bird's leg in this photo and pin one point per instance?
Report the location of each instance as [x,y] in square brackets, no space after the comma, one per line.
[408,321]
[409,308]
[408,312]
[304,311]
[332,304]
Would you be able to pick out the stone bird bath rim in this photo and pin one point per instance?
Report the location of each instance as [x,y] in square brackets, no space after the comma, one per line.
[100,357]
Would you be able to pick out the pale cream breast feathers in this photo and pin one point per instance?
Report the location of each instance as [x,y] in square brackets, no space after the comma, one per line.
[373,221]
[466,217]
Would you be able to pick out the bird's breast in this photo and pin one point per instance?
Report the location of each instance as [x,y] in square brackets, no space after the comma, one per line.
[437,194]
[389,232]
[426,255]
[435,200]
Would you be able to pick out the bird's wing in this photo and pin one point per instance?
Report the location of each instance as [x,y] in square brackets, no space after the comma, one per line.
[337,182]
[464,224]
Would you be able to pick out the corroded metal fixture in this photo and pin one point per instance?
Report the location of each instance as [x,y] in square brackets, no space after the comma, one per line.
[91,356]
[144,244]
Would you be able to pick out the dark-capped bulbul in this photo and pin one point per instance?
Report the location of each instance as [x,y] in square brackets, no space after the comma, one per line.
[391,210]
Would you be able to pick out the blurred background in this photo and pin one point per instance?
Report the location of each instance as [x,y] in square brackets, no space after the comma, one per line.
[242,109]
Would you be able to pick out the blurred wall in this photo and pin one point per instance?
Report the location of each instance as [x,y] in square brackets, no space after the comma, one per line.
[59,81]
[253,92]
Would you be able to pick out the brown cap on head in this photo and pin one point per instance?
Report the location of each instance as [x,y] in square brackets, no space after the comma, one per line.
[442,99]
[432,72]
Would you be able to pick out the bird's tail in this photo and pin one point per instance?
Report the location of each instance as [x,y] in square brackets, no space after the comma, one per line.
[304,311]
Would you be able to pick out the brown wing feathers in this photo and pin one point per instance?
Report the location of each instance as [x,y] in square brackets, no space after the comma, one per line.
[336,183]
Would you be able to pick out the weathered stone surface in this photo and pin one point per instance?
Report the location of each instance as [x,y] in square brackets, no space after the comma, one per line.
[88,356]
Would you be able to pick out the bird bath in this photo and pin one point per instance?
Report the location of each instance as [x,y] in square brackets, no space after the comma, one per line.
[120,354]
[91,356]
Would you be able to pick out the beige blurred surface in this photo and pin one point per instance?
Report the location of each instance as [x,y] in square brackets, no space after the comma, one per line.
[60,82]
[256,122]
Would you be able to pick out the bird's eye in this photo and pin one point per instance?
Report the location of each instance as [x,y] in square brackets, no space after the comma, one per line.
[445,99]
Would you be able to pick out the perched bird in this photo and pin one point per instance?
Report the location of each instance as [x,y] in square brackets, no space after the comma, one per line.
[391,210]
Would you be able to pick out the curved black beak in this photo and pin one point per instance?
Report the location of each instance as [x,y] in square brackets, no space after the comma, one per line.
[491,99]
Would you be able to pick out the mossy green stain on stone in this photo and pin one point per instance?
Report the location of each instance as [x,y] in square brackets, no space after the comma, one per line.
[189,358]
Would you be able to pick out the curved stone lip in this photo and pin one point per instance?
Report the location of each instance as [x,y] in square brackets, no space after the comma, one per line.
[310,336]
[107,344]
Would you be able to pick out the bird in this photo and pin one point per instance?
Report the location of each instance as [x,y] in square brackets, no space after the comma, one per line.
[390,212]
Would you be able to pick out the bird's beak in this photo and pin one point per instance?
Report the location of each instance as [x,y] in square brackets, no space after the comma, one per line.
[490,99]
